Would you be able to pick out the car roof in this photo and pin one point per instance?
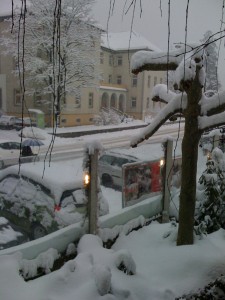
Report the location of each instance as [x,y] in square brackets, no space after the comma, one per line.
[57,177]
[144,152]
[7,117]
[8,141]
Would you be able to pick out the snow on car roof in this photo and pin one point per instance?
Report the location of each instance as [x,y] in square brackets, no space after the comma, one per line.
[144,152]
[57,177]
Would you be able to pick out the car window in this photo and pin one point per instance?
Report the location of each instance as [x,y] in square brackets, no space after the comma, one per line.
[79,196]
[108,159]
[67,199]
[119,161]
[4,145]
[14,145]
[73,197]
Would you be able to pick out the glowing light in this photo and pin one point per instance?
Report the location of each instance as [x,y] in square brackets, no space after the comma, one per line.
[162,162]
[86,179]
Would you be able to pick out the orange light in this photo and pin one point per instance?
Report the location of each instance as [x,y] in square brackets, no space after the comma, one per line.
[86,179]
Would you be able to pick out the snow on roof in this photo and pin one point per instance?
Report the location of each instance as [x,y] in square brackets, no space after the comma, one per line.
[126,41]
[37,111]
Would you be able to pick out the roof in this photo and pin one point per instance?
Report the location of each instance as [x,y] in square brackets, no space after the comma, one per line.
[146,152]
[124,41]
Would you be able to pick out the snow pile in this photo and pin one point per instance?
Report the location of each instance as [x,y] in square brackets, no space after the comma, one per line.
[33,133]
[160,269]
[45,261]
[7,234]
[111,233]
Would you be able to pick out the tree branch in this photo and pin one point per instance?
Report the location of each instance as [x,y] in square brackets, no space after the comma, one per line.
[178,105]
[213,105]
[161,93]
[206,122]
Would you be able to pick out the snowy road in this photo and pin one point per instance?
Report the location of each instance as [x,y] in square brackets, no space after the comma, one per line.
[73,147]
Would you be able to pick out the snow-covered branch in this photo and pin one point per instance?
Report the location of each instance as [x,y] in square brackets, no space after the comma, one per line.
[156,61]
[213,121]
[212,105]
[177,105]
[161,93]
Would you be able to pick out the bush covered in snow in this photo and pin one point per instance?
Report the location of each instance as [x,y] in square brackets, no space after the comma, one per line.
[210,213]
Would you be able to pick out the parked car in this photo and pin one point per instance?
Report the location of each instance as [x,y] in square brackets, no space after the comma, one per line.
[111,161]
[10,153]
[40,203]
[110,168]
[7,122]
[24,122]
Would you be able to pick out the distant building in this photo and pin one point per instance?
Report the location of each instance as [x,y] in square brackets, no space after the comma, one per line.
[118,89]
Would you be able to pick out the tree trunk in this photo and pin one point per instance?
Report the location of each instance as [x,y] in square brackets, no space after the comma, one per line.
[189,162]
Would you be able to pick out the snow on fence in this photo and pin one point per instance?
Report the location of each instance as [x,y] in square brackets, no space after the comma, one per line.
[60,239]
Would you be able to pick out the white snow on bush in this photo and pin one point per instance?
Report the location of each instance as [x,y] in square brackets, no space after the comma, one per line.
[111,233]
[44,261]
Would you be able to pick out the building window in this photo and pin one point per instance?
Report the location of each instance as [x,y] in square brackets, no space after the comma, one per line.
[119,60]
[63,121]
[37,98]
[133,102]
[90,119]
[155,80]
[134,80]
[110,60]
[17,97]
[77,103]
[149,81]
[78,120]
[90,100]
[101,57]
[148,103]
[0,98]
[119,79]
[110,78]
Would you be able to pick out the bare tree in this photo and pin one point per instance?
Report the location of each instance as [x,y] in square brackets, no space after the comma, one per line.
[200,113]
[56,45]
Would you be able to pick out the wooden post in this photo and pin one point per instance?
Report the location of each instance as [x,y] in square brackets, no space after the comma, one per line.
[93,193]
[166,180]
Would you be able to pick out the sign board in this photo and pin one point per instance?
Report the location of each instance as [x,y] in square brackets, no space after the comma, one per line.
[139,181]
[142,180]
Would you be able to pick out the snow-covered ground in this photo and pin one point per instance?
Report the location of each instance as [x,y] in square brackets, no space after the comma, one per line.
[160,269]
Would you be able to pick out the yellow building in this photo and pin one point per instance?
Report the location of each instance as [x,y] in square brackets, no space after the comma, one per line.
[118,88]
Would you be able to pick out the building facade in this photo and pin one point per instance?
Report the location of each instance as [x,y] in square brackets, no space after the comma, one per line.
[117,88]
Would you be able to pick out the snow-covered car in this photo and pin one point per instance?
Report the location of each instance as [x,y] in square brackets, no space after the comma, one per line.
[7,122]
[41,201]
